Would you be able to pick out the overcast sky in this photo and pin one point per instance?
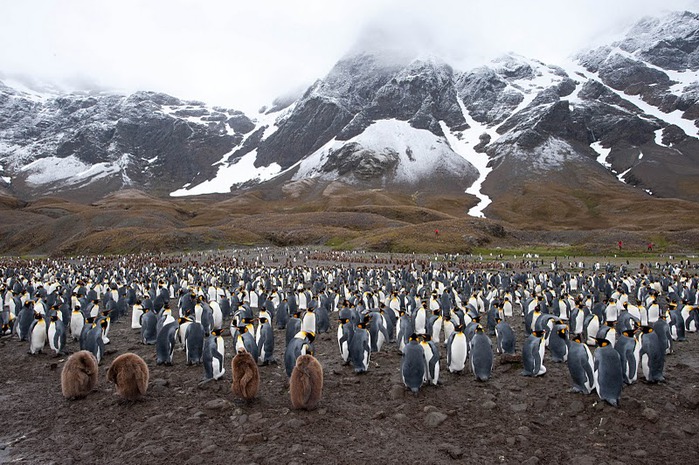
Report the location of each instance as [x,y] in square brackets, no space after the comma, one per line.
[242,54]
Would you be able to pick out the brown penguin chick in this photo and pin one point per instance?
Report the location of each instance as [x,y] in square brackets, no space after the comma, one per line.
[306,383]
[79,375]
[130,374]
[246,376]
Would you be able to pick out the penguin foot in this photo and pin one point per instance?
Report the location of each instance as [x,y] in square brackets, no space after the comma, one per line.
[205,381]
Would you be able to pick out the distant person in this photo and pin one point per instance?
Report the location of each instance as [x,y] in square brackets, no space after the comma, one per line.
[436,232]
[620,244]
[650,247]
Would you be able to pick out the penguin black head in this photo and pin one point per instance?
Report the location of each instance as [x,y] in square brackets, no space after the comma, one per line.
[413,337]
[646,329]
[577,338]
[311,336]
[460,328]
[219,331]
[183,319]
[104,323]
[602,342]
[38,316]
[263,320]
[426,337]
[538,333]
[498,319]
[54,317]
[479,329]
[628,332]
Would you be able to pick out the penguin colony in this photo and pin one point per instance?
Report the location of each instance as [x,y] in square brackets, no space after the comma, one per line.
[610,326]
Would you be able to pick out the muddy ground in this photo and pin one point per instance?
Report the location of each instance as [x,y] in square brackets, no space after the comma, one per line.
[365,418]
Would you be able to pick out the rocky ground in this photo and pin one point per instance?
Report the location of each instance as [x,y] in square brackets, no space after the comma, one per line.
[361,418]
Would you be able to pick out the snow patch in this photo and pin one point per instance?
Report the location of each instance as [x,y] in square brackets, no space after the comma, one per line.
[620,176]
[463,146]
[71,170]
[603,154]
[6,179]
[243,170]
[419,151]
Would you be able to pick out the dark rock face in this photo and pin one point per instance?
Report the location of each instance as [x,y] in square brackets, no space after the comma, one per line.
[488,99]
[149,140]
[359,90]
[365,164]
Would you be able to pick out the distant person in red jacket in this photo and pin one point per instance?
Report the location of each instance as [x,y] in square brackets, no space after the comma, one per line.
[620,244]
[436,232]
[650,247]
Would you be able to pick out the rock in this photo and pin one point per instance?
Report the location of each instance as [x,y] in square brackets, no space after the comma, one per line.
[255,417]
[379,415]
[650,414]
[489,405]
[454,451]
[576,407]
[242,419]
[510,441]
[322,411]
[217,404]
[429,408]
[524,430]
[160,382]
[690,397]
[583,460]
[397,392]
[209,449]
[400,416]
[295,423]
[687,428]
[639,453]
[295,449]
[434,419]
[531,461]
[519,408]
[251,438]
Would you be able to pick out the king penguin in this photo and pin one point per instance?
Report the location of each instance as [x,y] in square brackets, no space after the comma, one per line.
[345,331]
[213,357]
[194,343]
[301,344]
[629,349]
[431,351]
[457,350]
[581,366]
[558,343]
[505,338]
[37,334]
[360,348]
[652,356]
[533,354]
[265,342]
[56,335]
[149,327]
[608,373]
[481,355]
[165,344]
[412,367]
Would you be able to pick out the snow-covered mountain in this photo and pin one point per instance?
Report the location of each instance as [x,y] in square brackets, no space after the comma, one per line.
[623,114]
